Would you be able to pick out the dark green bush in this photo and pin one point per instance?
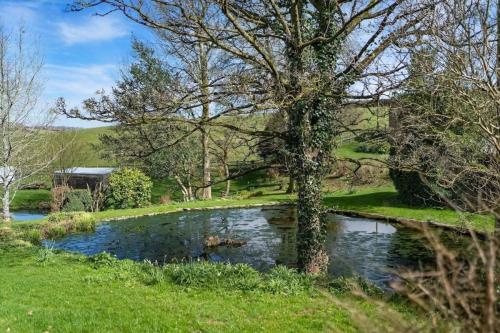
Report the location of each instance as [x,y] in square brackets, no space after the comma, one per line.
[129,188]
[78,201]
[411,190]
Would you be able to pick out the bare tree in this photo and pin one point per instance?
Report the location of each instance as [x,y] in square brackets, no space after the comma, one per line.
[22,123]
[68,151]
[449,130]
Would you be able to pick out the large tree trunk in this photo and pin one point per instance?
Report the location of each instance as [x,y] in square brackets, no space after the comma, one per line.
[207,190]
[311,253]
[6,205]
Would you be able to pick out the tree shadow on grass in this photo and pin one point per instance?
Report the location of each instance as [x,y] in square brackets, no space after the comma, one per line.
[365,200]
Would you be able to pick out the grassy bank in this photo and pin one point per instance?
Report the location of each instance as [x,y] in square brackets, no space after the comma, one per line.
[62,292]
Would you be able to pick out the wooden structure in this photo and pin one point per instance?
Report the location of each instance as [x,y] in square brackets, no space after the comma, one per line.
[83,178]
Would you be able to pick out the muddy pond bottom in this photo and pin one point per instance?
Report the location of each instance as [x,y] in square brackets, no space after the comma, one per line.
[356,246]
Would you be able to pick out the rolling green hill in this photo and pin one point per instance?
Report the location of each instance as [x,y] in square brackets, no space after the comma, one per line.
[90,138]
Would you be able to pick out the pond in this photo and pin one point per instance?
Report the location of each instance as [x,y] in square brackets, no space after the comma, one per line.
[356,246]
[24,216]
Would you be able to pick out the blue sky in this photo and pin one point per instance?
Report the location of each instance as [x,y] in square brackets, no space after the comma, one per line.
[82,52]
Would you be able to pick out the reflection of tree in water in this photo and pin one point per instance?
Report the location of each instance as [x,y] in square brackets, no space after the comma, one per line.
[409,248]
[284,221]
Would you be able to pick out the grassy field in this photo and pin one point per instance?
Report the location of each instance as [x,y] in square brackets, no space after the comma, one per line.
[90,136]
[44,291]
[30,199]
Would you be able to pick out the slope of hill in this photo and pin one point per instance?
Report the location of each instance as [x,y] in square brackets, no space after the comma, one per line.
[90,138]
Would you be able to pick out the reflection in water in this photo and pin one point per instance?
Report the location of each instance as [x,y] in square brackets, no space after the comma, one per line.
[356,246]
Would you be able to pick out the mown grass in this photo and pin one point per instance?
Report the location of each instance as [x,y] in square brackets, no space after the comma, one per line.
[348,150]
[60,292]
[383,200]
[30,199]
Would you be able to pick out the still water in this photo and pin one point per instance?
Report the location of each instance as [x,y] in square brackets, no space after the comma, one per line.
[356,246]
[23,216]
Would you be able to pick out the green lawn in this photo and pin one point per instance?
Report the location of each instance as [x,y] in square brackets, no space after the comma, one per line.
[46,292]
[348,150]
[30,199]
[383,201]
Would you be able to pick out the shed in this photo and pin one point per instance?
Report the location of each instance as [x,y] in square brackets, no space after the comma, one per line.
[82,178]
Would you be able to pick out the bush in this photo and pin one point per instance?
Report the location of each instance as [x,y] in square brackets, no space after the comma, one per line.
[372,148]
[165,199]
[59,194]
[129,188]
[78,201]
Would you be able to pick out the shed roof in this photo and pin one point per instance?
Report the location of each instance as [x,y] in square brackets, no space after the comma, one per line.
[86,171]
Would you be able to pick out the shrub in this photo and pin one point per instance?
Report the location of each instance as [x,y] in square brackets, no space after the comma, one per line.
[129,188]
[165,199]
[78,201]
[59,194]
[372,148]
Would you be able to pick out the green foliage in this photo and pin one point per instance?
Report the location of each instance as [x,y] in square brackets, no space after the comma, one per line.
[372,148]
[45,255]
[129,188]
[283,280]
[103,259]
[34,236]
[78,201]
[206,275]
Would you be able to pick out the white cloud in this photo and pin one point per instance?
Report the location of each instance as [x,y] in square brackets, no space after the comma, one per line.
[75,84]
[94,29]
[14,13]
